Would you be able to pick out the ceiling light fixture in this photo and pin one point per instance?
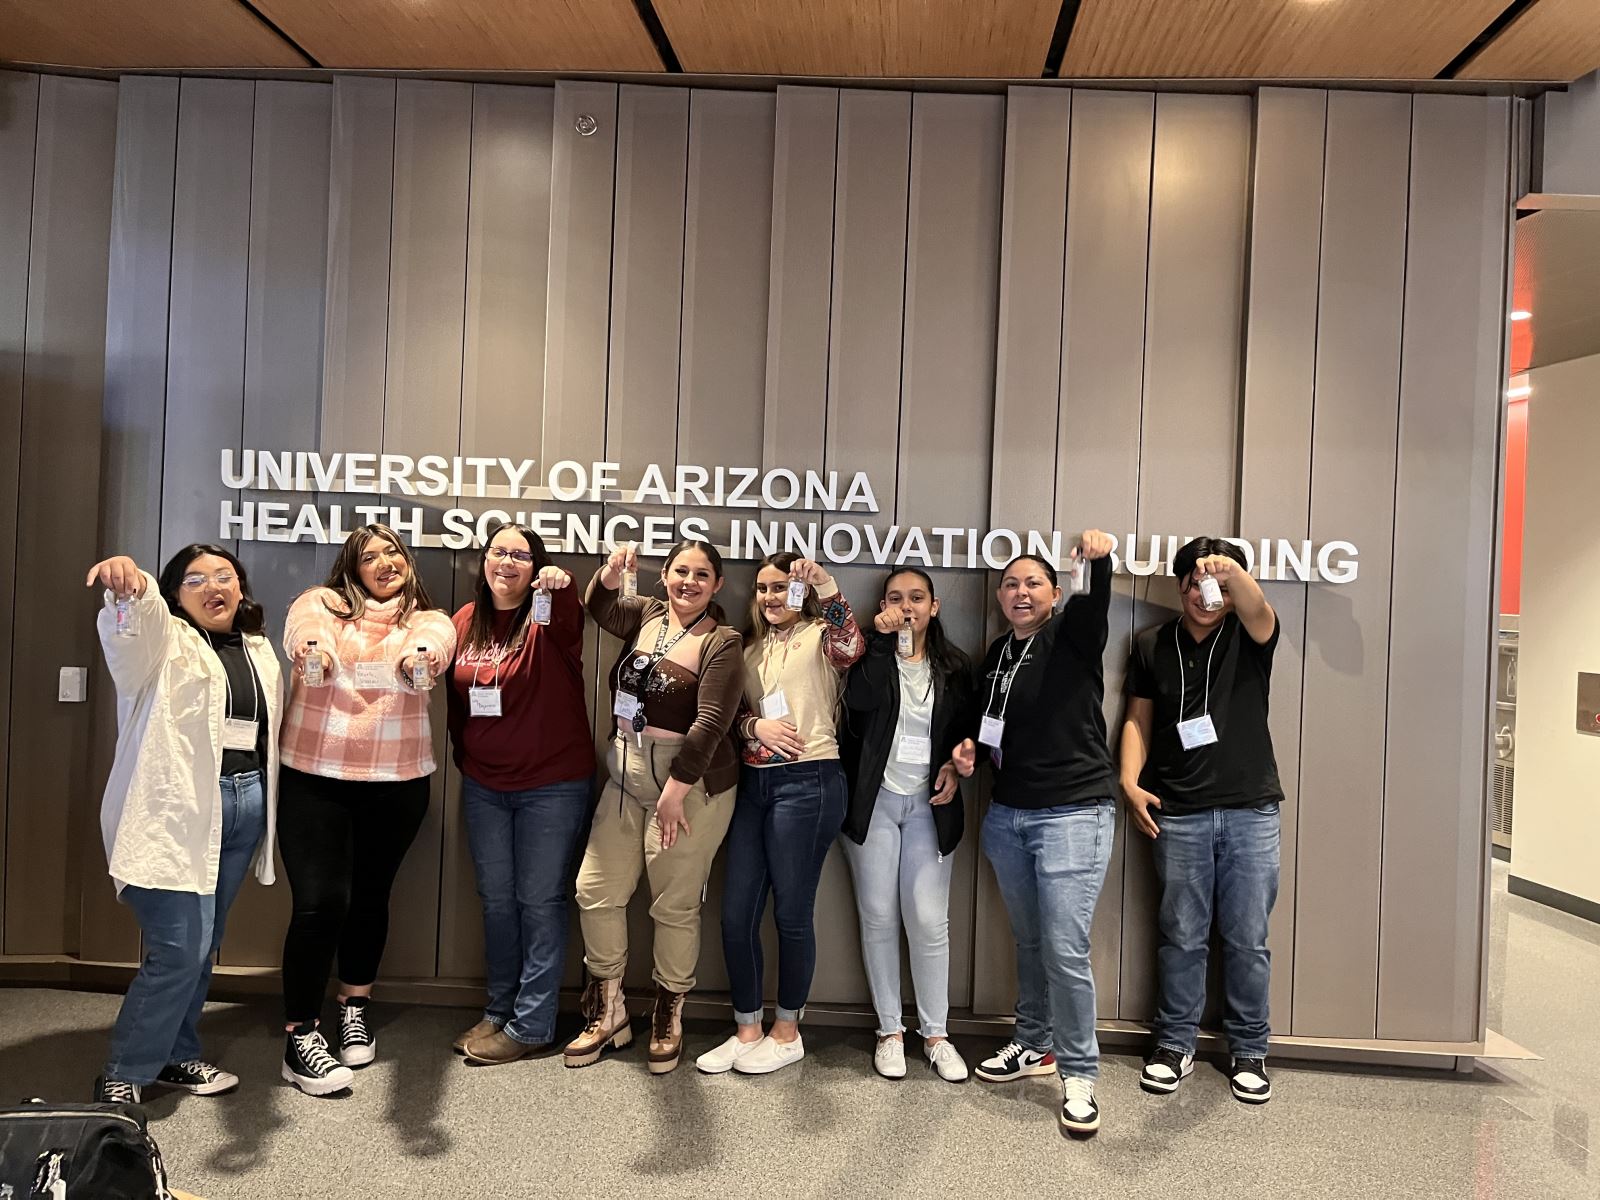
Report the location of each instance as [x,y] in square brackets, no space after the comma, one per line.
[1519,393]
[1521,315]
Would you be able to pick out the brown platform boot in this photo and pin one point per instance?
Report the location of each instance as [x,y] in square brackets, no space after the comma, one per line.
[666,1031]
[605,1023]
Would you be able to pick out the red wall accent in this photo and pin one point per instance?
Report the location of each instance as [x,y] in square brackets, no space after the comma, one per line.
[1511,537]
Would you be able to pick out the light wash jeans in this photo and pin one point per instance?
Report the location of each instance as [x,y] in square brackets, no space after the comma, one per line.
[182,931]
[1050,863]
[899,874]
[1224,860]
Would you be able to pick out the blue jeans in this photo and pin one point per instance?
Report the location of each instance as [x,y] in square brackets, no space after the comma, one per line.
[784,820]
[182,931]
[1050,863]
[901,876]
[1224,860]
[522,846]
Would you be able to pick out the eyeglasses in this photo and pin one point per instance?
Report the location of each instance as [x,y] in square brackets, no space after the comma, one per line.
[500,554]
[193,583]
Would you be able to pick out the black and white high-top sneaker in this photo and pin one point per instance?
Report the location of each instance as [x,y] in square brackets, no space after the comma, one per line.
[1248,1077]
[1015,1061]
[357,1047]
[198,1078]
[1080,1115]
[115,1091]
[1165,1070]
[308,1065]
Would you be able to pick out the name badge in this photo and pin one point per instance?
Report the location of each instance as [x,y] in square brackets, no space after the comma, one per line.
[626,705]
[376,677]
[774,705]
[914,751]
[238,734]
[485,701]
[991,731]
[1198,732]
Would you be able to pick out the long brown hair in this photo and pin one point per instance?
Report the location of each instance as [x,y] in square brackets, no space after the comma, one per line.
[811,610]
[480,630]
[345,578]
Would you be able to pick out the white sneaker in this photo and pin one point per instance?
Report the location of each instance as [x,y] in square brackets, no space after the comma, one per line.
[715,1062]
[889,1059]
[1080,1115]
[946,1060]
[769,1056]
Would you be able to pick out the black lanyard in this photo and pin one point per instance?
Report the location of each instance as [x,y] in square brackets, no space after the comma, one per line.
[1009,676]
[645,664]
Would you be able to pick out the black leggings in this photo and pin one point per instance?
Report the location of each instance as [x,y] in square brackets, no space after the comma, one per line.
[342,844]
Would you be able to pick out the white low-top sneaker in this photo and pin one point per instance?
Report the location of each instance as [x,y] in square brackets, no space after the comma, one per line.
[889,1059]
[947,1060]
[768,1056]
[722,1058]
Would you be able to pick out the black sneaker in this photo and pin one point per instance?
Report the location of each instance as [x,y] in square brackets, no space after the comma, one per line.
[1165,1070]
[198,1078]
[1080,1115]
[1015,1061]
[1248,1076]
[308,1065]
[357,1046]
[115,1091]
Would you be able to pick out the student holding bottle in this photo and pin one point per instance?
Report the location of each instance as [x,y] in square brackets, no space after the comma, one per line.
[792,796]
[1048,831]
[357,756]
[519,726]
[192,797]
[909,693]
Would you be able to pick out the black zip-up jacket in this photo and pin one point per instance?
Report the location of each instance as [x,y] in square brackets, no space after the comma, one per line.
[866,735]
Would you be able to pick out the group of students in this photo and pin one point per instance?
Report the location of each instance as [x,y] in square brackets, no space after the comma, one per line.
[772,742]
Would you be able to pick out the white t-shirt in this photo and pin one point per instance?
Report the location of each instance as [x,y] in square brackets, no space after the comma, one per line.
[916,720]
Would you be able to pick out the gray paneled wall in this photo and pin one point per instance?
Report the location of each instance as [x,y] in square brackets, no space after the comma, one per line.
[1157,314]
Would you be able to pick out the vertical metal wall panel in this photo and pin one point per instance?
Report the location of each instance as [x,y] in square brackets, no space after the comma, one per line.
[795,428]
[1194,322]
[508,250]
[53,798]
[19,118]
[647,281]
[422,412]
[727,252]
[206,325]
[1275,454]
[288,265]
[356,308]
[133,424]
[870,193]
[1432,905]
[1102,381]
[579,299]
[1027,383]
[1340,825]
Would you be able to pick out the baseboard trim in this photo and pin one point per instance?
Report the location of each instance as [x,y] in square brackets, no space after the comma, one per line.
[1577,906]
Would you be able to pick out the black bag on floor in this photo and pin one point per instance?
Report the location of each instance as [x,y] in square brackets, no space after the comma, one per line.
[78,1152]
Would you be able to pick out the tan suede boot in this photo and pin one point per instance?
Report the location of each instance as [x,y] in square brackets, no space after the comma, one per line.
[666,1031]
[482,1029]
[605,1023]
[499,1047]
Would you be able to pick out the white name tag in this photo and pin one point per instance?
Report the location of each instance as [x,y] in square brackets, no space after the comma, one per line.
[485,701]
[1198,732]
[238,734]
[376,677]
[775,705]
[626,705]
[991,731]
[914,751]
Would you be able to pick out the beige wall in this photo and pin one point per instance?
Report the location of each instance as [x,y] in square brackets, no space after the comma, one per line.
[1268,315]
[1557,823]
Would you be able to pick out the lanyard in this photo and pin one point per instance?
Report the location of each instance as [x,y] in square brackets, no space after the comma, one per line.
[905,677]
[663,648]
[255,696]
[1005,657]
[766,653]
[1183,682]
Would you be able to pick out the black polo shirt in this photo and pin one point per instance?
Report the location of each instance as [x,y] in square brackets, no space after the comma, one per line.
[1239,768]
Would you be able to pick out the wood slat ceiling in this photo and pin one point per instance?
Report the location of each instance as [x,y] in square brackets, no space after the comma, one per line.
[1282,39]
[508,35]
[893,38]
[1551,39]
[140,33]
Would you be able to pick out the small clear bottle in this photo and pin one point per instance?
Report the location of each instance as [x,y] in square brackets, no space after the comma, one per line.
[906,644]
[1078,576]
[421,675]
[630,575]
[796,599]
[311,669]
[127,618]
[1210,594]
[541,606]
